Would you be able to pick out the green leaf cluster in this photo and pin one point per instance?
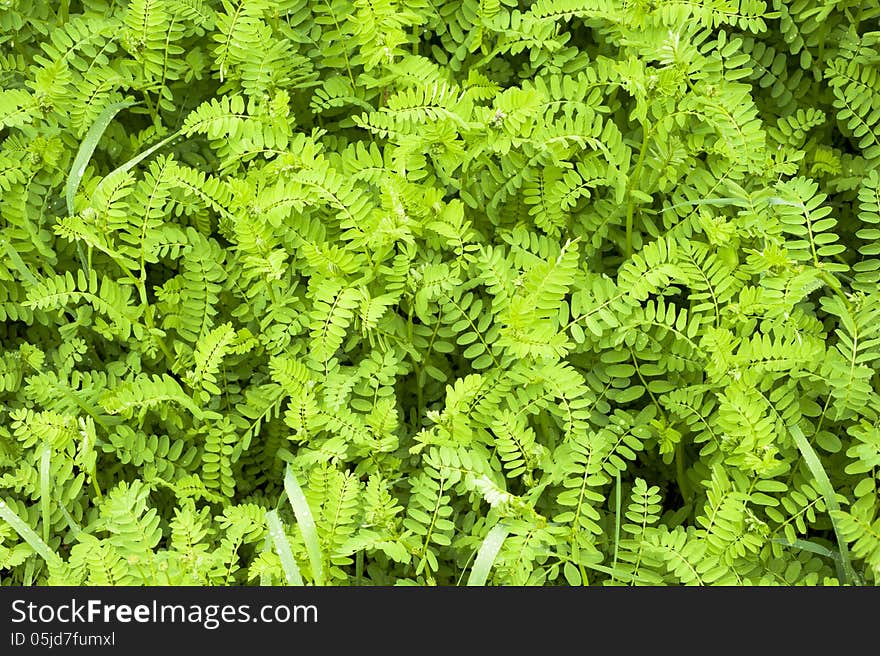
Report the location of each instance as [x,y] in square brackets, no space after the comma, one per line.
[373,292]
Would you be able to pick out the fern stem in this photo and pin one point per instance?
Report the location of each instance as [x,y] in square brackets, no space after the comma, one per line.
[487,58]
[148,321]
[140,284]
[836,287]
[148,314]
[681,478]
[824,412]
[645,383]
[420,394]
[344,47]
[153,114]
[633,180]
[96,486]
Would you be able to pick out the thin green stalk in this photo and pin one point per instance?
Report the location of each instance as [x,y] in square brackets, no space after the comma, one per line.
[680,476]
[152,108]
[633,181]
[63,12]
[344,47]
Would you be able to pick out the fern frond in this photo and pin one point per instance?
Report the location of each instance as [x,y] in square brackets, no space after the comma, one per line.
[146,392]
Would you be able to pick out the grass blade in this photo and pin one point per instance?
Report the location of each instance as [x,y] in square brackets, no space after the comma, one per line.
[137,159]
[486,555]
[615,574]
[83,155]
[18,263]
[75,528]
[46,489]
[827,491]
[306,523]
[87,148]
[265,580]
[806,545]
[27,534]
[282,548]
[617,501]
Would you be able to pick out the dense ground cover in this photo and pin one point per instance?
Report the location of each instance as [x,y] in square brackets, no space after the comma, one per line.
[375,292]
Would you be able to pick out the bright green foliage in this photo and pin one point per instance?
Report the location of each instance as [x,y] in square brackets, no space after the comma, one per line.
[357,292]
